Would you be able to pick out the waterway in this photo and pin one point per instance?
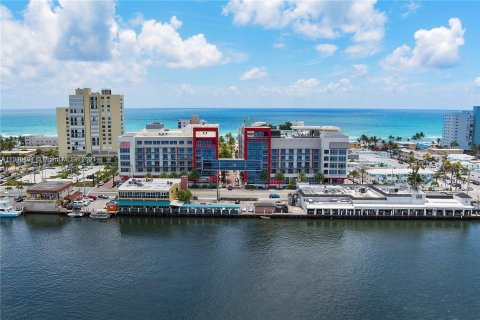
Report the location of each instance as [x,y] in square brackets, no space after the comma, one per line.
[55,267]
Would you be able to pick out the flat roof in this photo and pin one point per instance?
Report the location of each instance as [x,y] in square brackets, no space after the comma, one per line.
[145,184]
[388,171]
[50,186]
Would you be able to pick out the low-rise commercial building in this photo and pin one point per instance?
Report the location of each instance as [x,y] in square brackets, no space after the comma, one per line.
[369,200]
[48,196]
[149,192]
[395,175]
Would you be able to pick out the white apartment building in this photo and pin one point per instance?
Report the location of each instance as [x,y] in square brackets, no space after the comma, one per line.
[394,175]
[40,140]
[458,126]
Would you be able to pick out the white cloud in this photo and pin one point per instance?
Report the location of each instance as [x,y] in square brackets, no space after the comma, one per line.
[360,70]
[254,74]
[300,88]
[392,85]
[411,8]
[79,43]
[325,49]
[315,19]
[233,89]
[434,48]
[342,86]
[279,45]
[362,50]
[476,82]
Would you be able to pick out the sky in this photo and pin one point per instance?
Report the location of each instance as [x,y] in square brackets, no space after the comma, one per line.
[238,53]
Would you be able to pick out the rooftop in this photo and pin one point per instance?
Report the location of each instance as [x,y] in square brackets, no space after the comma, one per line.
[186,131]
[146,184]
[50,186]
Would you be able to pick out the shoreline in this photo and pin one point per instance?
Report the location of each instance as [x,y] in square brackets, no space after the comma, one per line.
[475,217]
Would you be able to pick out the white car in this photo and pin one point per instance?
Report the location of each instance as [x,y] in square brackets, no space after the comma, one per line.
[79,203]
[244,209]
[250,209]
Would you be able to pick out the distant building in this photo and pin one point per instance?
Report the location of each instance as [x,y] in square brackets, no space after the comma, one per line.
[182,123]
[40,140]
[476,125]
[91,123]
[458,127]
[395,175]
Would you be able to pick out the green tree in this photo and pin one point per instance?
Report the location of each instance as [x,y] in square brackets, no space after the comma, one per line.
[362,173]
[194,175]
[454,144]
[352,175]
[280,177]
[184,195]
[319,177]
[148,175]
[287,125]
[302,178]
[264,176]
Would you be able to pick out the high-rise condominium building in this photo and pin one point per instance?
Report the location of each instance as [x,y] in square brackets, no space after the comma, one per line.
[476,125]
[458,127]
[91,123]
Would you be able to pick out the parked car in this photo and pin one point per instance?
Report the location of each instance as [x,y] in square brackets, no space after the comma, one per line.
[230,188]
[72,206]
[103,196]
[274,195]
[244,209]
[237,201]
[91,196]
[250,209]
[79,203]
[112,202]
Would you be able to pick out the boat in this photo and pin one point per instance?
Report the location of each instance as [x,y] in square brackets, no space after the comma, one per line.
[100,215]
[265,217]
[7,210]
[76,214]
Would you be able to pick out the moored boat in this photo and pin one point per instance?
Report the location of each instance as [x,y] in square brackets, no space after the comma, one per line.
[76,214]
[100,215]
[7,210]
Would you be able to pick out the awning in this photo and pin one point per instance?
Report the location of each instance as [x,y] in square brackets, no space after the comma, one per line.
[74,195]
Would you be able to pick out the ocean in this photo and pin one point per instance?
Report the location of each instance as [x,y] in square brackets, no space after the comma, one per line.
[55,267]
[353,122]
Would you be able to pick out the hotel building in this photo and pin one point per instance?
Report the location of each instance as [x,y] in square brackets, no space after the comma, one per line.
[91,123]
[458,126]
[303,149]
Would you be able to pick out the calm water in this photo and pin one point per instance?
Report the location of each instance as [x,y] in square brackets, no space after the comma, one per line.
[354,122]
[144,268]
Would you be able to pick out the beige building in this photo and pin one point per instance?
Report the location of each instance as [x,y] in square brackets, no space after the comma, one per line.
[91,123]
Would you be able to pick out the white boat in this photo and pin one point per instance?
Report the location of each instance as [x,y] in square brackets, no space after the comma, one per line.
[76,214]
[99,215]
[265,217]
[7,211]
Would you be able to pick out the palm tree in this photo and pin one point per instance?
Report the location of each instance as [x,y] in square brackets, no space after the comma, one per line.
[354,174]
[264,176]
[279,176]
[454,144]
[362,172]
[194,175]
[319,177]
[302,177]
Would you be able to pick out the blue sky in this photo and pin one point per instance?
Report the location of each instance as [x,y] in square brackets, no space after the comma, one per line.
[325,54]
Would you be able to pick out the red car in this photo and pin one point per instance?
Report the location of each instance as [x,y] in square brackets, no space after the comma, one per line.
[91,197]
